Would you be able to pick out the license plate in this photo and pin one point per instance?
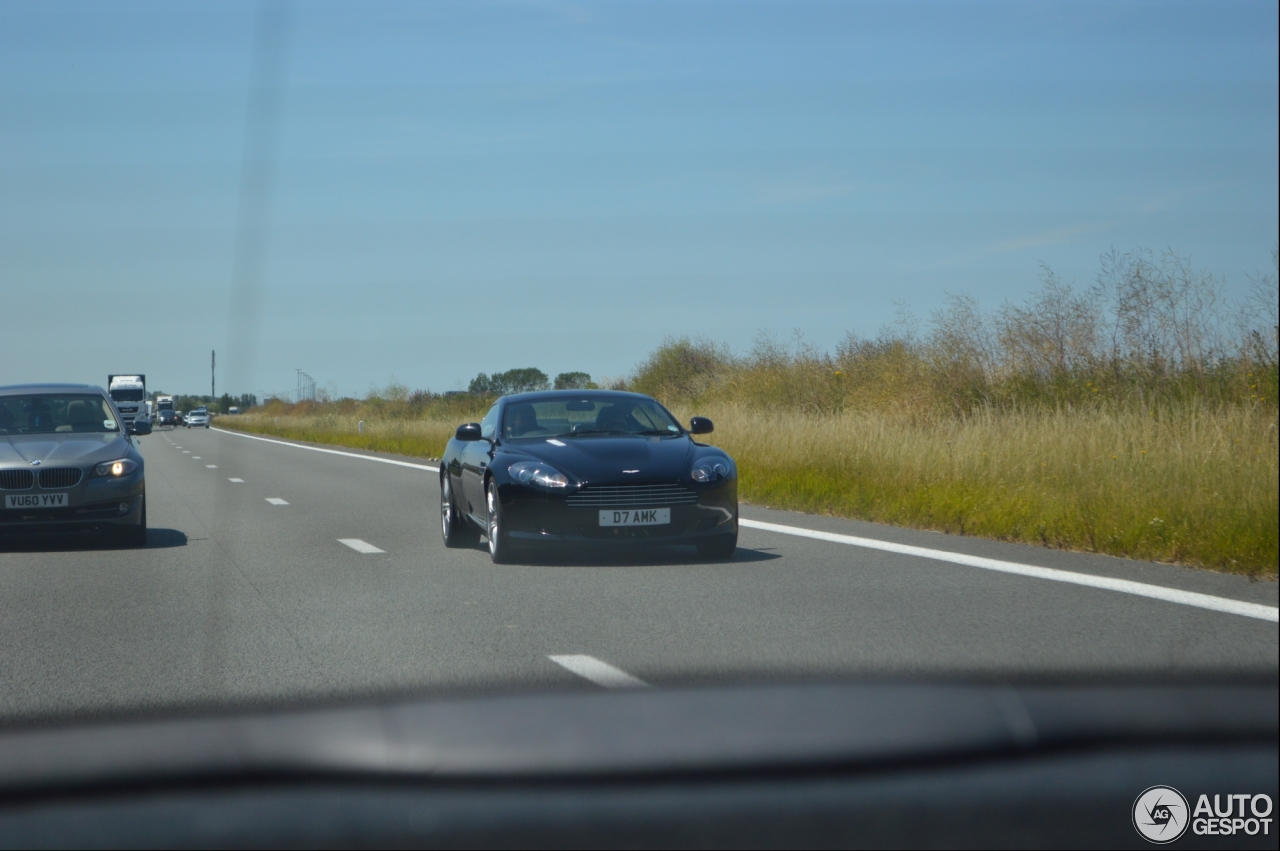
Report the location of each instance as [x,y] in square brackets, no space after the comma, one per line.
[35,500]
[636,517]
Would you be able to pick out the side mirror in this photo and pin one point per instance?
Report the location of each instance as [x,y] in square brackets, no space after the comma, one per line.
[470,431]
[701,425]
[139,427]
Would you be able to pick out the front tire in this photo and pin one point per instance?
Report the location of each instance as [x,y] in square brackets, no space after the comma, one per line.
[458,533]
[136,536]
[720,547]
[499,545]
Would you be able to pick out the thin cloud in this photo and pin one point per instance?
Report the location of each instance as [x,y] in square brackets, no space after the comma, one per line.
[793,192]
[1053,236]
[1056,236]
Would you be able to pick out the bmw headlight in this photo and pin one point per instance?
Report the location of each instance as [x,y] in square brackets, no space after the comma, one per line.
[538,473]
[115,469]
[712,469]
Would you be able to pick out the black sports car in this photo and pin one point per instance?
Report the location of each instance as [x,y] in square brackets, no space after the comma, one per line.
[586,467]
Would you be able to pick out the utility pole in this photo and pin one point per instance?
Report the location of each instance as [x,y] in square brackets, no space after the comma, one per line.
[213,377]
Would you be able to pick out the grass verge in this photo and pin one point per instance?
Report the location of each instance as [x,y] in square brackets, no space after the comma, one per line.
[421,438]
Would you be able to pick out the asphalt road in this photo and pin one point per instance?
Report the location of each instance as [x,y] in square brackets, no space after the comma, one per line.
[239,599]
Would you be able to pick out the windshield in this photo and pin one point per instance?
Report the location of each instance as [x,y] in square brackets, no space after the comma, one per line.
[585,415]
[128,395]
[55,414]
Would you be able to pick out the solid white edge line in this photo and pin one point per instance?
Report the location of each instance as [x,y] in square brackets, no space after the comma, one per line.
[1124,586]
[330,451]
[600,673]
[360,546]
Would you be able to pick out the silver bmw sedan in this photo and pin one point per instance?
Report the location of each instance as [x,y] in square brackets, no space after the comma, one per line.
[67,463]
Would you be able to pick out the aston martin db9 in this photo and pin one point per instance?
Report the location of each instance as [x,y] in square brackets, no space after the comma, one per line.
[68,463]
[586,467]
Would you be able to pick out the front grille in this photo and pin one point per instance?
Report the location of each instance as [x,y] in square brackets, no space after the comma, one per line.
[620,496]
[60,477]
[16,480]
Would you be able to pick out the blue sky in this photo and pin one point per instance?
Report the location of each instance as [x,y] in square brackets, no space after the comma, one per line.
[467,187]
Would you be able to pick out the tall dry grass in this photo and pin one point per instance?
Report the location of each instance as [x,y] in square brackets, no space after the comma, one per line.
[1195,487]
[419,437]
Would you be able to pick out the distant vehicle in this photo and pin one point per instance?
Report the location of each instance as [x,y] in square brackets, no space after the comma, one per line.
[164,403]
[586,467]
[197,418]
[68,463]
[129,392]
[233,410]
[168,417]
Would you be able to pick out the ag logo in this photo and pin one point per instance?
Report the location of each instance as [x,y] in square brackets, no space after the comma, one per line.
[1160,814]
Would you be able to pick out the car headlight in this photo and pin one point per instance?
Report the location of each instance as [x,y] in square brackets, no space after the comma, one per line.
[712,469]
[538,473]
[115,469]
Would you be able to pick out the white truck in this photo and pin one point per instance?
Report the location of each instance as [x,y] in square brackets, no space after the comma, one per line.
[165,403]
[129,392]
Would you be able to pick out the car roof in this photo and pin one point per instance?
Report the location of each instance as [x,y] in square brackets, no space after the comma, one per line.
[542,395]
[25,389]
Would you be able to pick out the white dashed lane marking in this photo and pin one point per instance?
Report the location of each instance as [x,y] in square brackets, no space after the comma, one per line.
[212,466]
[600,673]
[237,481]
[360,546]
[275,500]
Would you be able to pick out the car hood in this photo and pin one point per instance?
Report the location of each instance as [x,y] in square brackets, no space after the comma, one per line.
[596,459]
[22,449]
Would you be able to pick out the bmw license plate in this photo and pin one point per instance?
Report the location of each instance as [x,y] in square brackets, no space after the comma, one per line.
[35,500]
[636,517]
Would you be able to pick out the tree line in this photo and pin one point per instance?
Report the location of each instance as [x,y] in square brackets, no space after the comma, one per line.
[527,380]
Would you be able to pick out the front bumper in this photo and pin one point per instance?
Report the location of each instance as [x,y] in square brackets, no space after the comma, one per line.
[535,516]
[94,503]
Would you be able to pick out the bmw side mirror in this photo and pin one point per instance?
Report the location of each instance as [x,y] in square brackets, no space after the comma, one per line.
[138,427]
[470,431]
[701,425]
